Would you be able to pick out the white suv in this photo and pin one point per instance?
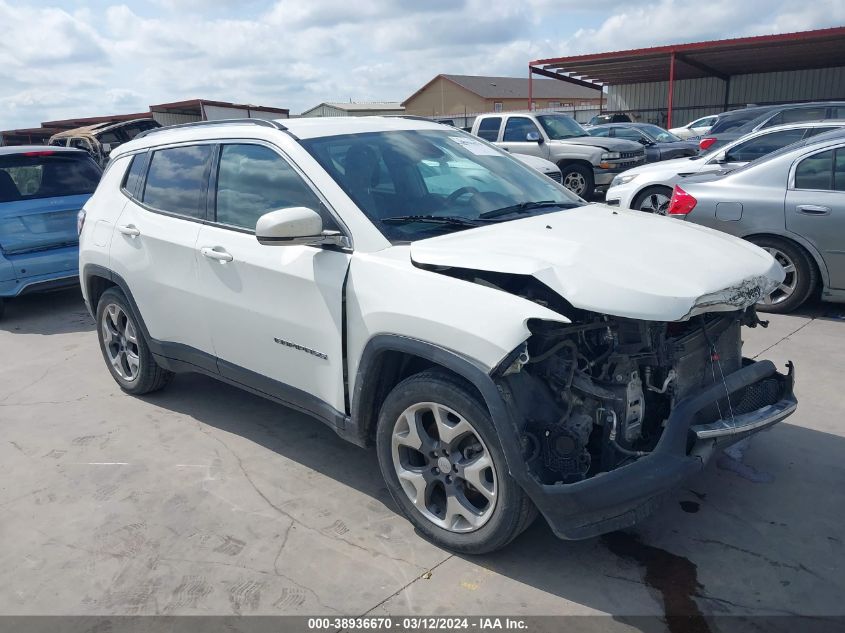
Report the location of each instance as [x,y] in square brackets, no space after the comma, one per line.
[505,346]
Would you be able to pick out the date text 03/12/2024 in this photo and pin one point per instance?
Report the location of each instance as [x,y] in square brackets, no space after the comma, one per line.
[419,623]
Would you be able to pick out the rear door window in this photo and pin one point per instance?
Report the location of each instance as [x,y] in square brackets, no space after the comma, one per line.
[815,172]
[762,145]
[839,170]
[177,180]
[46,174]
[488,129]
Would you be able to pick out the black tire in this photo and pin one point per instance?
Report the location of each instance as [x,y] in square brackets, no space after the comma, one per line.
[576,171]
[806,273]
[646,194]
[150,377]
[513,511]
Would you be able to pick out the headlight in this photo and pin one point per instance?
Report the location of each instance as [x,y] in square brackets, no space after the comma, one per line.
[622,179]
[611,156]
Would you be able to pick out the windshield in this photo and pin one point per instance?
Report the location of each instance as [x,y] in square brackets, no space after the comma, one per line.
[558,126]
[413,184]
[658,133]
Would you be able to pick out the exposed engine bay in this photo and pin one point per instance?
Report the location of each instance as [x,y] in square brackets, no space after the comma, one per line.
[595,394]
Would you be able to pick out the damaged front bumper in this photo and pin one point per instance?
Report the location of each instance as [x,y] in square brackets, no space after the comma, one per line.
[619,498]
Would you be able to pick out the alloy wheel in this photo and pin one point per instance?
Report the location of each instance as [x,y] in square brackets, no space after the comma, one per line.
[787,288]
[444,467]
[575,182]
[655,203]
[120,340]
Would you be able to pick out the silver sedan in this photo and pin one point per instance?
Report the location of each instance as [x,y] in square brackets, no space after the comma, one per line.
[791,203]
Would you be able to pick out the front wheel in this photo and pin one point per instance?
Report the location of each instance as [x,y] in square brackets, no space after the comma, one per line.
[578,179]
[444,466]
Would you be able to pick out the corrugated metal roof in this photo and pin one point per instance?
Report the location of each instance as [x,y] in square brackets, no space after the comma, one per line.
[374,105]
[517,88]
[719,58]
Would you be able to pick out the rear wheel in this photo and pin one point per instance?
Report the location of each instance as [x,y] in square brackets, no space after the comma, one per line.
[444,466]
[124,348]
[800,273]
[653,200]
[578,179]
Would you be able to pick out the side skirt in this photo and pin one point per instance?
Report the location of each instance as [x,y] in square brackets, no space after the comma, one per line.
[182,359]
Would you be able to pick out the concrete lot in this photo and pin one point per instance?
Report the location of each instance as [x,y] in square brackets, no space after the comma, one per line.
[206,500]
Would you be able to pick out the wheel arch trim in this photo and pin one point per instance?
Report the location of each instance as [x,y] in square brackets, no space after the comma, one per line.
[801,242]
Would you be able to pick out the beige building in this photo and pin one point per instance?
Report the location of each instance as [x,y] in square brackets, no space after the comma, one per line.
[456,95]
[380,108]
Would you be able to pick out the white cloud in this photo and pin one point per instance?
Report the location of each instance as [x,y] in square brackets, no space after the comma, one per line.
[123,56]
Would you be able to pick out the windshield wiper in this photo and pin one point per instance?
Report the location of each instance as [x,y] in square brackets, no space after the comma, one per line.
[433,219]
[523,207]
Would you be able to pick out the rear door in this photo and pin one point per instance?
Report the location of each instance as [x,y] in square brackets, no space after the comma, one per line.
[815,207]
[41,193]
[154,245]
[515,137]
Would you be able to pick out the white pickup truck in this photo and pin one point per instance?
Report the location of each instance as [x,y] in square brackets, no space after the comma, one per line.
[588,163]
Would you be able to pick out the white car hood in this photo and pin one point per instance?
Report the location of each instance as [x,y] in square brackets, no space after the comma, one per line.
[616,262]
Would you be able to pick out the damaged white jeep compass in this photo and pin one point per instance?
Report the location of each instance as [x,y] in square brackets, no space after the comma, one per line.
[506,347]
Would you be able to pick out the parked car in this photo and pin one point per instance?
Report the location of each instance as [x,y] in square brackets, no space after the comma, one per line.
[695,129]
[545,167]
[100,139]
[792,203]
[507,347]
[737,123]
[610,117]
[649,188]
[41,191]
[588,164]
[659,144]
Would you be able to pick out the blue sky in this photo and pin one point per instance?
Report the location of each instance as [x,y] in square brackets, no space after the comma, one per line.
[64,58]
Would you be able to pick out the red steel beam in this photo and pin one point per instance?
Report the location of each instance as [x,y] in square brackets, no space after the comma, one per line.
[671,89]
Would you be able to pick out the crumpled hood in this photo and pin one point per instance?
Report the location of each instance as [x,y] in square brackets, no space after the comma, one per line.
[616,262]
[606,143]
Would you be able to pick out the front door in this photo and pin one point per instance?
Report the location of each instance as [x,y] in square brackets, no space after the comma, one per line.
[515,137]
[275,312]
[815,208]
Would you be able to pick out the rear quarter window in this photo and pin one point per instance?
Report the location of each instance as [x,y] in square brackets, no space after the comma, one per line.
[46,174]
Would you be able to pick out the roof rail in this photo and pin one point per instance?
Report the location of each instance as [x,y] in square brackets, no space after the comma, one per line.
[412,117]
[263,122]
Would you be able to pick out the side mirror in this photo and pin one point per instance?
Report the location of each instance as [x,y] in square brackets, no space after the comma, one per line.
[295,226]
[721,157]
[534,137]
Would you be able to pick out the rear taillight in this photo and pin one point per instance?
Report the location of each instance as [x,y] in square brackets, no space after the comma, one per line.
[681,202]
[706,143]
[80,221]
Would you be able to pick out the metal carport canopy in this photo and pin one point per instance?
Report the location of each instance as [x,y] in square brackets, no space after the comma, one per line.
[718,58]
